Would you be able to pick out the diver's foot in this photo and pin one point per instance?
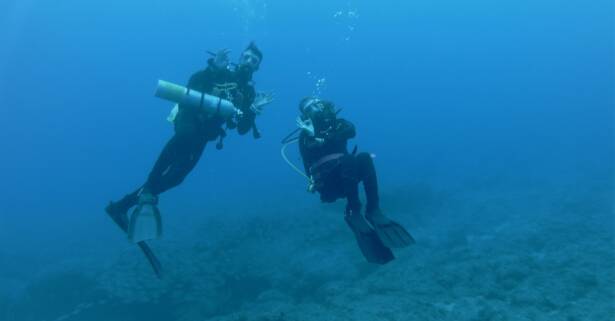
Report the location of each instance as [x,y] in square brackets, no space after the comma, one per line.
[392,234]
[119,214]
[147,198]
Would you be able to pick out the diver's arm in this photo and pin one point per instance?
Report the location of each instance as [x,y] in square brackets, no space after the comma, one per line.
[195,82]
[201,80]
[246,120]
[194,79]
[343,130]
[314,142]
[205,78]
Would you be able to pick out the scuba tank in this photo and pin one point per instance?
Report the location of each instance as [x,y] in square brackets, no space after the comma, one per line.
[212,105]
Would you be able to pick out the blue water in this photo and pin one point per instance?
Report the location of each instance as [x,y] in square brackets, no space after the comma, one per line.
[493,125]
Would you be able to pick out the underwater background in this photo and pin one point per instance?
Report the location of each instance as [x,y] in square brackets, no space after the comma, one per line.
[492,123]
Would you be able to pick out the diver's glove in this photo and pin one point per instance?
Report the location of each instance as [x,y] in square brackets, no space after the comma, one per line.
[221,60]
[261,100]
[306,125]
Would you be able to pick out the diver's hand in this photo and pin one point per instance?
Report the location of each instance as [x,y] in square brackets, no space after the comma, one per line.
[305,125]
[261,100]
[221,60]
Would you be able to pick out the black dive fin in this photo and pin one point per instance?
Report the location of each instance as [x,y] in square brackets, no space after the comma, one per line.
[391,233]
[151,257]
[368,241]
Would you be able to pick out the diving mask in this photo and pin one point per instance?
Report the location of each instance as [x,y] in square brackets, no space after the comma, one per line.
[313,108]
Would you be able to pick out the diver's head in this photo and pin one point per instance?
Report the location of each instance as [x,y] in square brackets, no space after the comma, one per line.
[250,58]
[311,107]
[321,112]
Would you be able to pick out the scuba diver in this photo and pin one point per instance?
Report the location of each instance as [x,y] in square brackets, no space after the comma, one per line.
[194,128]
[335,173]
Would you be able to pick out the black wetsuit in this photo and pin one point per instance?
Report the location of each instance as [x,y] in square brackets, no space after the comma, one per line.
[194,129]
[339,177]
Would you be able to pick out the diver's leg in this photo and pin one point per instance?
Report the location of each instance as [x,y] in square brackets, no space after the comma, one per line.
[366,172]
[353,203]
[168,171]
[179,169]
[350,184]
[370,244]
[391,233]
[118,210]
[167,157]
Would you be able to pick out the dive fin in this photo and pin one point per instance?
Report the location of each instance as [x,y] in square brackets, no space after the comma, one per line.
[151,258]
[369,243]
[391,233]
[145,221]
[121,219]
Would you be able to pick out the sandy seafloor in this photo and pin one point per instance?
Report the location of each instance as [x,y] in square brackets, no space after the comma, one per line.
[488,251]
